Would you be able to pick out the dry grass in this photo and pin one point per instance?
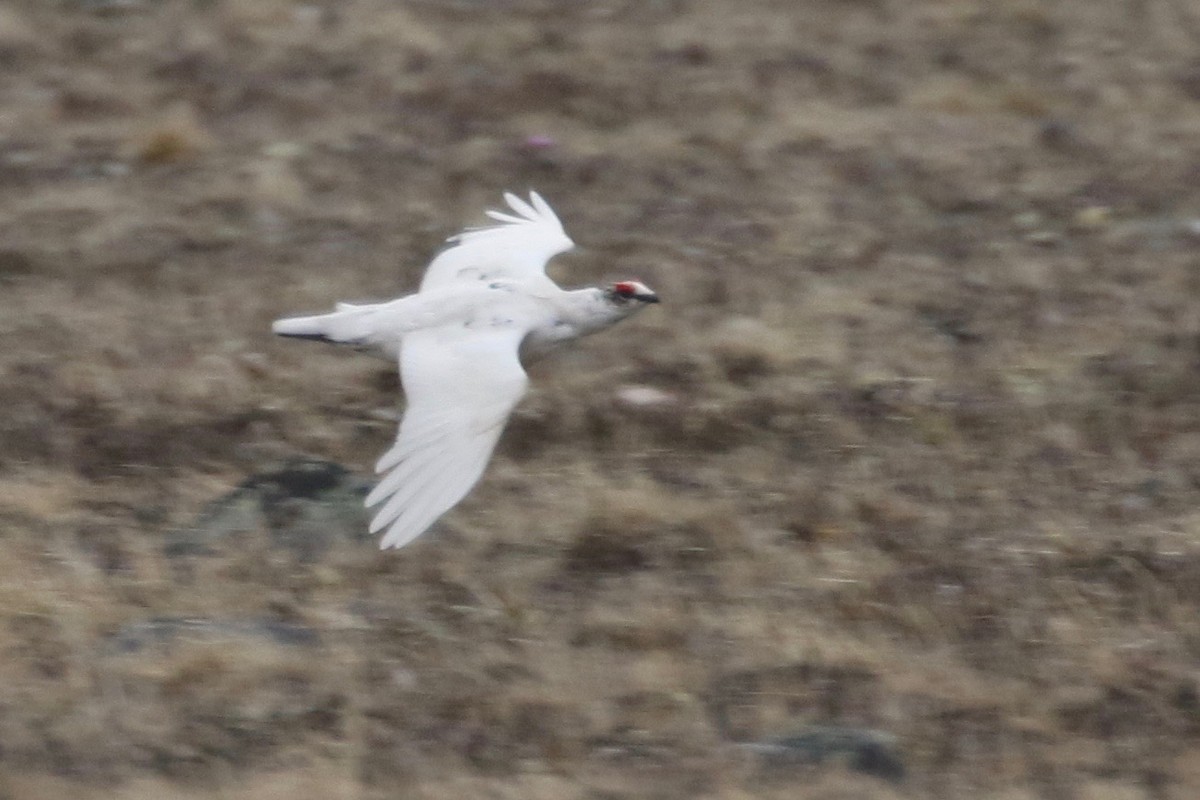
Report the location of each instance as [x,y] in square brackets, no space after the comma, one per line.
[921,455]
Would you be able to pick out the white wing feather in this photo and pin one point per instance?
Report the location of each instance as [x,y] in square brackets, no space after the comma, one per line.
[461,384]
[516,249]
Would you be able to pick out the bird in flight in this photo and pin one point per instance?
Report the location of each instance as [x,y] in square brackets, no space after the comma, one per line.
[484,306]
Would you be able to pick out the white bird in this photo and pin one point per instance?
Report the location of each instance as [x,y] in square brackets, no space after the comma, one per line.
[484,304]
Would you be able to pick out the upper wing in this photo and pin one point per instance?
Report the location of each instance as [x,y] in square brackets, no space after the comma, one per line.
[518,248]
[460,384]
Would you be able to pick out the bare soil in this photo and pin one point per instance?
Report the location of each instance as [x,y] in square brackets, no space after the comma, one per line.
[924,461]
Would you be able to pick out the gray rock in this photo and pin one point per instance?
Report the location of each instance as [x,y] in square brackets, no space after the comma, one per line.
[864,750]
[109,7]
[164,632]
[750,707]
[306,506]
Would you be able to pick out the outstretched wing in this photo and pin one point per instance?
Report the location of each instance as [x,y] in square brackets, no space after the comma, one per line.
[516,249]
[461,385]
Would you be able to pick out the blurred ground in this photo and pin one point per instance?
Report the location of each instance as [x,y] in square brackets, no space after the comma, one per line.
[923,464]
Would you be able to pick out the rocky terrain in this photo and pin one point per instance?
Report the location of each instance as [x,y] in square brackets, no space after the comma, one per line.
[897,494]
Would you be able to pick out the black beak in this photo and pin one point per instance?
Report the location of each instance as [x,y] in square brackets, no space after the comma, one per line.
[646,298]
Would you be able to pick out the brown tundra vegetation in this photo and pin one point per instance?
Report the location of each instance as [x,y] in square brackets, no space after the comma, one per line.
[897,494]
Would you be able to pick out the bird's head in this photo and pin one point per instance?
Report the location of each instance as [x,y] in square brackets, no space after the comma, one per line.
[597,307]
[630,295]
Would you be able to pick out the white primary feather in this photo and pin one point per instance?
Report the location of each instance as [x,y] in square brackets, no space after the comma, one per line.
[461,384]
[517,249]
[458,341]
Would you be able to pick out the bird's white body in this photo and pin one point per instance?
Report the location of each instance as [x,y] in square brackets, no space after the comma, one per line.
[484,302]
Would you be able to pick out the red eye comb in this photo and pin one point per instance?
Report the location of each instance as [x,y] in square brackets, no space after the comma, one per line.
[625,289]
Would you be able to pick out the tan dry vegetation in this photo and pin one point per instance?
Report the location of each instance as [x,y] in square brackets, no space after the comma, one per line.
[912,445]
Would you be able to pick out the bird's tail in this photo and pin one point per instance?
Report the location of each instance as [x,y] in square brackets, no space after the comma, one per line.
[349,324]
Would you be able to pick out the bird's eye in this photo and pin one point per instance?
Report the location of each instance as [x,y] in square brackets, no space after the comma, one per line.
[624,289]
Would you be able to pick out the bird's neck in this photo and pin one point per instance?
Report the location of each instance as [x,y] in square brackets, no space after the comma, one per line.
[576,313]
[587,311]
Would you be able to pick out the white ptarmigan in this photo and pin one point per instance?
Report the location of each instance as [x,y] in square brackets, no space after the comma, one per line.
[484,304]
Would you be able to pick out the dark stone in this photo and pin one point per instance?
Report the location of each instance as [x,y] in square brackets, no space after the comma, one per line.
[305,506]
[165,631]
[864,750]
